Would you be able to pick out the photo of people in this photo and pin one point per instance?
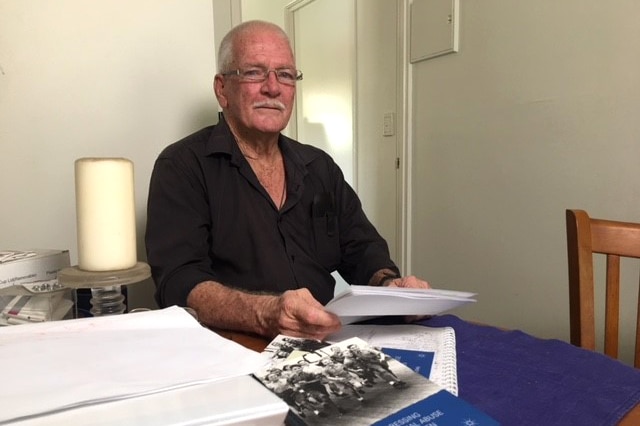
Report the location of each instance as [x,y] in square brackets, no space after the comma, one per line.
[346,383]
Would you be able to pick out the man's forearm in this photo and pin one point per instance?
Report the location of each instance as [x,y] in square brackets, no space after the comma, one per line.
[227,308]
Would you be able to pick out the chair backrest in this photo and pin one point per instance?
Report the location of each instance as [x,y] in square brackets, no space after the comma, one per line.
[586,236]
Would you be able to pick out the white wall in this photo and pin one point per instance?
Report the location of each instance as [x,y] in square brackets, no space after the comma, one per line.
[270,10]
[537,113]
[113,78]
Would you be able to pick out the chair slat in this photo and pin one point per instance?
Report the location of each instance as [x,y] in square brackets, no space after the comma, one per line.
[612,306]
[611,237]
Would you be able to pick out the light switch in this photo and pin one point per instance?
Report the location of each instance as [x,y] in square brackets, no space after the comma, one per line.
[388,124]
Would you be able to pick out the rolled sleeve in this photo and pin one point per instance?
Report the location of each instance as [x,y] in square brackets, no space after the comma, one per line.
[177,231]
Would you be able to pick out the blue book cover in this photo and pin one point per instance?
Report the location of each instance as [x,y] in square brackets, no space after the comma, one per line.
[418,361]
[351,383]
[439,409]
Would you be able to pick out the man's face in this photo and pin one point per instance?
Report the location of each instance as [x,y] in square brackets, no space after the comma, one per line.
[257,107]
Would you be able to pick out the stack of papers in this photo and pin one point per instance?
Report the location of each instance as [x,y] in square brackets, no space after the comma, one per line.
[358,303]
[67,369]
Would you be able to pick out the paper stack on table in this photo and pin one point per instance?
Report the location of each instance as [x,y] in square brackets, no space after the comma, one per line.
[131,364]
[358,303]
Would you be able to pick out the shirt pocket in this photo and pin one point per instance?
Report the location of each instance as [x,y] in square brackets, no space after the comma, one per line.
[325,230]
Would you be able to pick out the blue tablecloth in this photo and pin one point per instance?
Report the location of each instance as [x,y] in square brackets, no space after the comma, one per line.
[522,380]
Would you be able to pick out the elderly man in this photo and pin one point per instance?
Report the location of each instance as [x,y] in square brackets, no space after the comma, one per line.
[246,225]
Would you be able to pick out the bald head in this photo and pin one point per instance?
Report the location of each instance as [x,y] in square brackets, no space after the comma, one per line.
[228,46]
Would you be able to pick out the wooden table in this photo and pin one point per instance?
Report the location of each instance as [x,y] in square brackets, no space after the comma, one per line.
[257,343]
[632,418]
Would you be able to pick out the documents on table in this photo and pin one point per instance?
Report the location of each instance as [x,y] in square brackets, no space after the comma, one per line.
[236,401]
[440,341]
[357,303]
[353,383]
[63,365]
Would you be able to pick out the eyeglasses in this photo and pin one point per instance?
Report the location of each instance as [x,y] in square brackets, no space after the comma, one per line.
[286,76]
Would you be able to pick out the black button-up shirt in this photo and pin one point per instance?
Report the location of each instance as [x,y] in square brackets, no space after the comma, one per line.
[208,218]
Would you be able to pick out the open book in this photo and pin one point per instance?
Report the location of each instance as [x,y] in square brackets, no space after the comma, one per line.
[352,383]
[358,303]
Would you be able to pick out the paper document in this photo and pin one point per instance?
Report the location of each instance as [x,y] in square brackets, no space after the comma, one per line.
[239,401]
[361,302]
[74,363]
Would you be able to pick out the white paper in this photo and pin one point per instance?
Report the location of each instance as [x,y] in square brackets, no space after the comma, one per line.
[361,302]
[237,401]
[64,364]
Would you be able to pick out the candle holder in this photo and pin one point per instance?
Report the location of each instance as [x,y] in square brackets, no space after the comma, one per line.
[106,286]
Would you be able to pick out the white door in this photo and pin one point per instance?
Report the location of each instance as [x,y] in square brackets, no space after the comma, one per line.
[324,114]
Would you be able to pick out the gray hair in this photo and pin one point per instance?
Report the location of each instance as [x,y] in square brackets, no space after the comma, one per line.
[226,53]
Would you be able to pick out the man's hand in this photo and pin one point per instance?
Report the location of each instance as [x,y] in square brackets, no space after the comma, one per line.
[296,313]
[410,282]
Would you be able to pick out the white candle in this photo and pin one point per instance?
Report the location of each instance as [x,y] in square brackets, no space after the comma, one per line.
[105,214]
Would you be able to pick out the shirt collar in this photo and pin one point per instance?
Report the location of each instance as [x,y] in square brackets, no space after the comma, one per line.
[222,141]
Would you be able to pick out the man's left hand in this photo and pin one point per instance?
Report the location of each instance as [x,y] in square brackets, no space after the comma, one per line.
[408,282]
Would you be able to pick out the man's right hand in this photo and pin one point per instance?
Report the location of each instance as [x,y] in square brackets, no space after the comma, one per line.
[296,313]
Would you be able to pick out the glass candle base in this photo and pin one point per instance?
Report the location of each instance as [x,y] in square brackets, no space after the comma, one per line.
[107,301]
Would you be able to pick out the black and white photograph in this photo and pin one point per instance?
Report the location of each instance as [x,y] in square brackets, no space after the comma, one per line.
[347,383]
[281,347]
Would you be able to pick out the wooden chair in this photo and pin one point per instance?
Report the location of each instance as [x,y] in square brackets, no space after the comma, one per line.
[586,236]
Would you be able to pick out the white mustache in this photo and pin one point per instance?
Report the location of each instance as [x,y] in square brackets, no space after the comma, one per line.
[270,104]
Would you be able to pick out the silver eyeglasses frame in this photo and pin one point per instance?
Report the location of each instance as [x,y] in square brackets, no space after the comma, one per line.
[287,76]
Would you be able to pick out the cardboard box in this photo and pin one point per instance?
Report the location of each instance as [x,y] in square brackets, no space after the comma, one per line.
[29,287]
[23,267]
